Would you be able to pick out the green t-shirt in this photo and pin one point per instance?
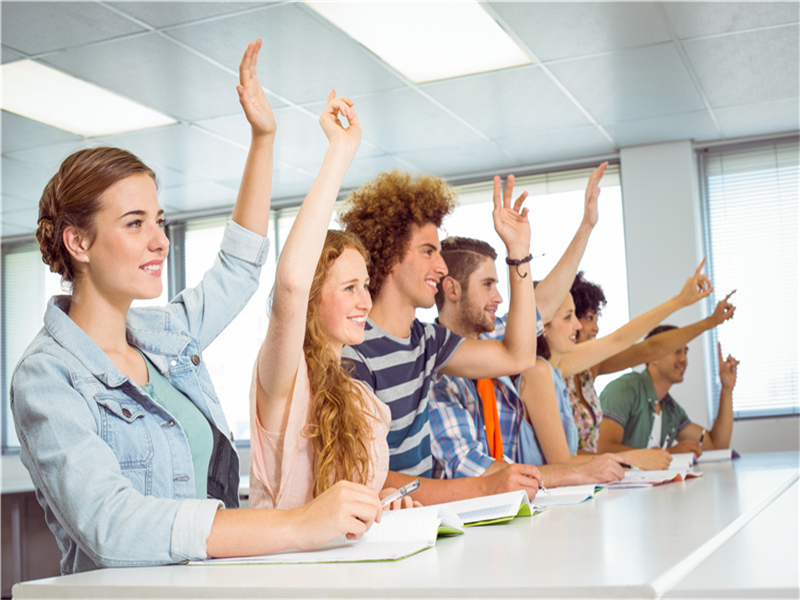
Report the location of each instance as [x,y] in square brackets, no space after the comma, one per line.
[195,426]
[630,401]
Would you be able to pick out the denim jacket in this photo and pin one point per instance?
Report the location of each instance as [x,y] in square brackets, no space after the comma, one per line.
[112,468]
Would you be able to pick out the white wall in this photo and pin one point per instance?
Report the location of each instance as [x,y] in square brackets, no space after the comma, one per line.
[663,244]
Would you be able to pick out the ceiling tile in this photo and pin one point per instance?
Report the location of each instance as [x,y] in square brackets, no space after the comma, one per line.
[22,185]
[20,133]
[777,116]
[696,125]
[631,84]
[403,120]
[554,30]
[460,159]
[509,102]
[196,195]
[558,145]
[9,55]
[18,222]
[184,86]
[365,169]
[748,67]
[185,149]
[290,183]
[299,141]
[303,56]
[693,19]
[165,14]
[36,27]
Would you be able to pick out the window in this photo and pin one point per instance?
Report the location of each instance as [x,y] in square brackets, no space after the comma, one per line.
[750,201]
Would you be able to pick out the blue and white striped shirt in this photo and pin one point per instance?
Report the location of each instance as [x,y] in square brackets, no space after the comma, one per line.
[400,371]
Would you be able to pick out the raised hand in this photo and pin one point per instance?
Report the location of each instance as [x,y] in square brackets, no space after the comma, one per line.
[727,369]
[332,126]
[251,94]
[590,214]
[697,287]
[511,222]
[723,311]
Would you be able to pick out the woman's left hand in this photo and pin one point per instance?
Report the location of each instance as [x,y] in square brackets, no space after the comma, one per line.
[251,94]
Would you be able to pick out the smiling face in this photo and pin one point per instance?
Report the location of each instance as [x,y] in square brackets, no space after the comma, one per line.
[417,275]
[479,301]
[672,367]
[125,259]
[561,333]
[345,301]
[589,327]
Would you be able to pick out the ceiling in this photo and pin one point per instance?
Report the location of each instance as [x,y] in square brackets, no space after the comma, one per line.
[604,76]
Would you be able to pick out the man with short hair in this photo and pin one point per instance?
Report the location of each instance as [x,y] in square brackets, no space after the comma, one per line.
[397,216]
[639,412]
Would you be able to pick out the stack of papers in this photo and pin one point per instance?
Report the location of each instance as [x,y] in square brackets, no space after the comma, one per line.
[567,495]
[488,510]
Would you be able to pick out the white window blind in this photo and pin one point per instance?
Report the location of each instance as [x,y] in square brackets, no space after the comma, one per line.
[750,202]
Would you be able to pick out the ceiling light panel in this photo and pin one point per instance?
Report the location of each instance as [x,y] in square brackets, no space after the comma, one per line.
[48,96]
[427,41]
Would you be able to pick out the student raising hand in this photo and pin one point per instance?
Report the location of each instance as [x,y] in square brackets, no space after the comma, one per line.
[251,94]
[336,133]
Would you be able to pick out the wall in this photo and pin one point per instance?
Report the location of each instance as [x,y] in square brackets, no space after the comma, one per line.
[663,244]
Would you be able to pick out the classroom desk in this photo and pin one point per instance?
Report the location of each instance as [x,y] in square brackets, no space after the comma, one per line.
[635,543]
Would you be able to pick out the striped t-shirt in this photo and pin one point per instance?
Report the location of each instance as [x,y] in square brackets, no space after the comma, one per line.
[400,372]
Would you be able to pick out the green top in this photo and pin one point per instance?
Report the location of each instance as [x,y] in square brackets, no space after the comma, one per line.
[631,400]
[189,418]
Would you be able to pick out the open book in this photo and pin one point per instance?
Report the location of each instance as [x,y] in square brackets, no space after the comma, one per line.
[488,510]
[638,478]
[566,495]
[400,533]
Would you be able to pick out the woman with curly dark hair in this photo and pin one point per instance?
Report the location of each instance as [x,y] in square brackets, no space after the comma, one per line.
[589,302]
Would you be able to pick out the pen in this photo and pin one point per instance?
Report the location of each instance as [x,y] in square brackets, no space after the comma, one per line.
[666,443]
[511,462]
[703,435]
[401,493]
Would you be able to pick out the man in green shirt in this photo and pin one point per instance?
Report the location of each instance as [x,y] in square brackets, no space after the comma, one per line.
[638,411]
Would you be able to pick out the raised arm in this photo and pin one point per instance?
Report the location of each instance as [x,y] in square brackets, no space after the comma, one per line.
[517,350]
[665,342]
[252,204]
[280,353]
[594,351]
[552,290]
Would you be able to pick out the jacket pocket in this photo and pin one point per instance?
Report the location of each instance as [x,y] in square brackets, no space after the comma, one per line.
[124,428]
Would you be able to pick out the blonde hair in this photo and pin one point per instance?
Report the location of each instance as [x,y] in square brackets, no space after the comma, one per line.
[340,430]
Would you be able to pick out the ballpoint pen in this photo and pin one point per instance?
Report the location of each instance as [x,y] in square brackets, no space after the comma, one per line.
[401,493]
[511,462]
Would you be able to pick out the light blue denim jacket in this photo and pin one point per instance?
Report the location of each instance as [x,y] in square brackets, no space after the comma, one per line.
[112,468]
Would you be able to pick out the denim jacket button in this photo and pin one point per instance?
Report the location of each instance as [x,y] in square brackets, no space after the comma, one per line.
[126,412]
[195,359]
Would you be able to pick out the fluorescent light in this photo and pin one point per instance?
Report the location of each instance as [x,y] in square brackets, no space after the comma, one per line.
[37,92]
[427,41]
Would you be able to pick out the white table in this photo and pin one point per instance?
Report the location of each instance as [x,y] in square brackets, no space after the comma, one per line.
[641,542]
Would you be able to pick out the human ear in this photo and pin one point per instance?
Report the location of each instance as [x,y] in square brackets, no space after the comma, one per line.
[451,288]
[75,243]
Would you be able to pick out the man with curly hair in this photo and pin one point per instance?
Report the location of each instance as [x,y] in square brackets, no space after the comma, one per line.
[398,216]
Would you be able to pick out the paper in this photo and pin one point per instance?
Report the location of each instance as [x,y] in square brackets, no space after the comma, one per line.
[634,479]
[400,533]
[566,495]
[487,510]
[710,456]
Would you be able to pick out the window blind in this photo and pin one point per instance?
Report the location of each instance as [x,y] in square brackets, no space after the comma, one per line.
[750,203]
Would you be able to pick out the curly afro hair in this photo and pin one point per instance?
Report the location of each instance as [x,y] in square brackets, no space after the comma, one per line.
[382,212]
[587,296]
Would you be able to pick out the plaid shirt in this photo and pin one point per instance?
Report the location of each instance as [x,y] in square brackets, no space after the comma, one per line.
[458,442]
